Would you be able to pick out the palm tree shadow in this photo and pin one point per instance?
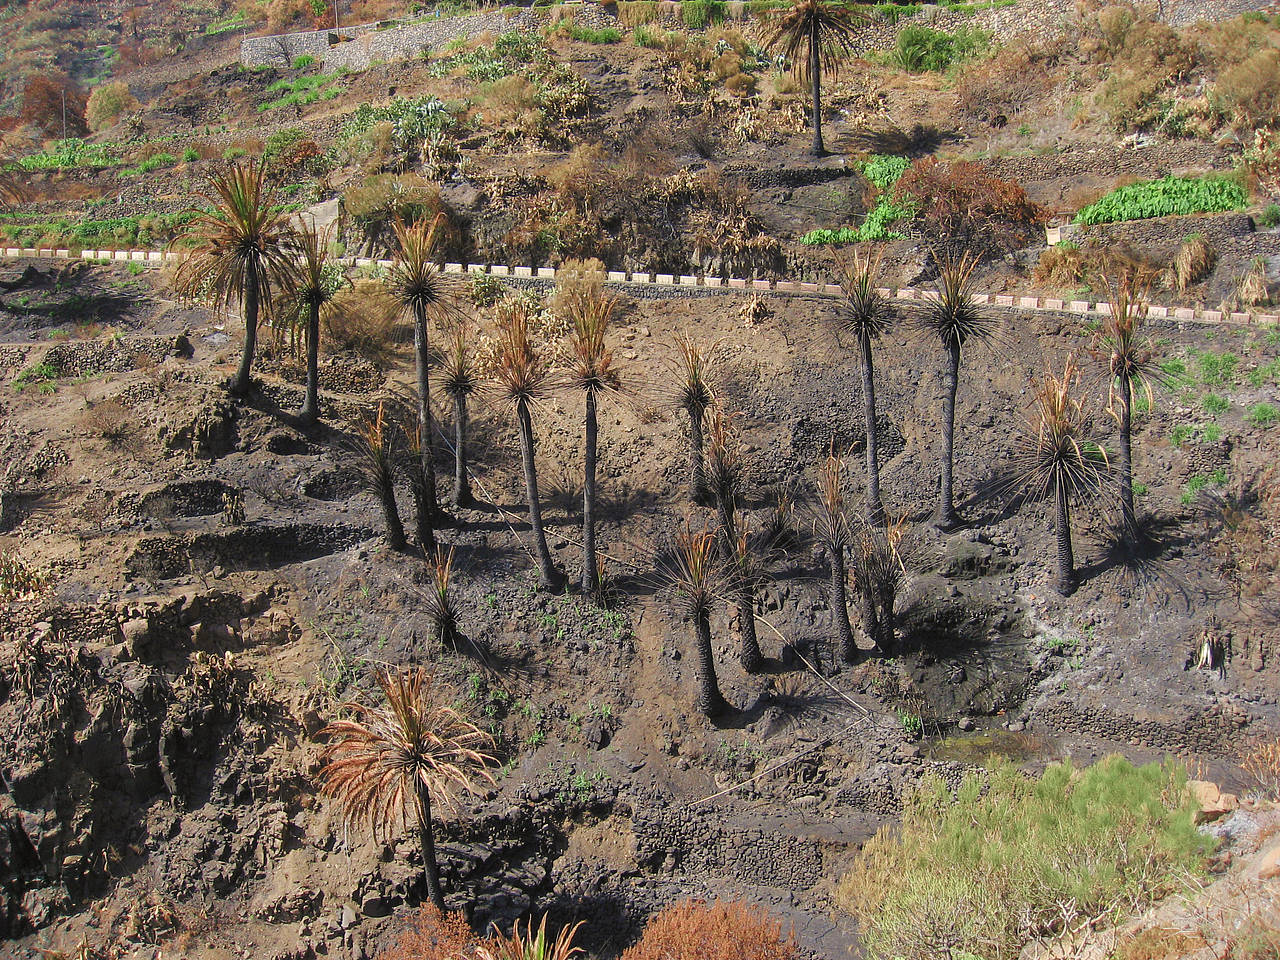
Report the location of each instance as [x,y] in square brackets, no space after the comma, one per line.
[1145,557]
[989,503]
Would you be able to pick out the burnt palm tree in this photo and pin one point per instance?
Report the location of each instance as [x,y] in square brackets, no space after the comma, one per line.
[441,609]
[593,372]
[832,531]
[694,396]
[388,765]
[724,479]
[882,558]
[522,378]
[1059,458]
[428,294]
[814,35]
[460,379]
[317,285]
[698,579]
[1129,357]
[954,318]
[866,315]
[375,449]
[242,252]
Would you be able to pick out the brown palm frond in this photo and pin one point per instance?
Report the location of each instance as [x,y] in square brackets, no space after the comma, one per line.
[692,569]
[242,236]
[415,280]
[694,393]
[459,368]
[375,447]
[788,31]
[1058,449]
[1121,345]
[863,312]
[724,456]
[522,375]
[954,317]
[374,761]
[592,368]
[318,280]
[831,517]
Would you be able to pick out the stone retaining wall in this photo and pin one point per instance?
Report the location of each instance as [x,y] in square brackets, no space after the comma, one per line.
[661,283]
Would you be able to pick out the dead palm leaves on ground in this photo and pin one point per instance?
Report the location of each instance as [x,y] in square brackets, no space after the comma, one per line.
[388,765]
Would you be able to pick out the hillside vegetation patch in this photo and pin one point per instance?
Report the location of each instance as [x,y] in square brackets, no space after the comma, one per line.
[986,873]
[1168,196]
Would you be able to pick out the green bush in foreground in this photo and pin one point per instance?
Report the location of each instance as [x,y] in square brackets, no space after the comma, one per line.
[1164,198]
[985,875]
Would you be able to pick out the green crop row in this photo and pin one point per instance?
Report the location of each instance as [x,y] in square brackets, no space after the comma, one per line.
[1166,197]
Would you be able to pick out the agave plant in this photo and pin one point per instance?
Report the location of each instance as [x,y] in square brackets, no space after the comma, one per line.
[531,944]
[1059,458]
[387,765]
[814,35]
[867,316]
[428,294]
[831,529]
[724,478]
[694,396]
[523,382]
[594,373]
[955,319]
[698,579]
[375,448]
[460,378]
[242,251]
[1130,358]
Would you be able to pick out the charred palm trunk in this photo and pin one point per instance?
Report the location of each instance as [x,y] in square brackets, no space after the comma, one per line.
[749,654]
[461,482]
[548,575]
[870,616]
[875,508]
[1125,456]
[815,74]
[840,605]
[239,385]
[430,869]
[390,512]
[886,640]
[310,411]
[590,570]
[1066,562]
[697,467]
[946,497]
[428,507]
[710,700]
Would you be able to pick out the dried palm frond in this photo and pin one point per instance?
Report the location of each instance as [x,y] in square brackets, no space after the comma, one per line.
[790,28]
[1193,262]
[375,762]
[415,280]
[459,368]
[522,375]
[592,368]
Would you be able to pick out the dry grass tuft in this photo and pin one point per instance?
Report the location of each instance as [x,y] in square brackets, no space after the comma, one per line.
[694,930]
[1193,262]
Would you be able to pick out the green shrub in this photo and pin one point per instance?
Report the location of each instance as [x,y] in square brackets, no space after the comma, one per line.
[698,14]
[1214,403]
[647,37]
[1216,369]
[985,874]
[1199,482]
[1210,433]
[486,290]
[885,170]
[920,49]
[1270,217]
[233,22]
[304,90]
[1263,414]
[893,12]
[1166,197]
[304,62]
[107,103]
[190,155]
[153,162]
[592,34]
[67,154]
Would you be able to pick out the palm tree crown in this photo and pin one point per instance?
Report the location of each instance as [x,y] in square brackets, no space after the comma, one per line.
[244,247]
[387,764]
[815,35]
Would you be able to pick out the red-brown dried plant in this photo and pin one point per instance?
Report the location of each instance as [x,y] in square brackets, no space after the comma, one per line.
[964,202]
[695,930]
